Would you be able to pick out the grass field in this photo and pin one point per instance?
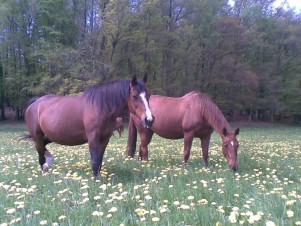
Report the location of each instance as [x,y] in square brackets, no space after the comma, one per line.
[265,191]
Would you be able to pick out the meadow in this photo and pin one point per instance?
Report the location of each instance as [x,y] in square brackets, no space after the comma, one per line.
[266,190]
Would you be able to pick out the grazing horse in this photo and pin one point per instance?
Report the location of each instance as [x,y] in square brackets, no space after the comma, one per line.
[193,115]
[91,117]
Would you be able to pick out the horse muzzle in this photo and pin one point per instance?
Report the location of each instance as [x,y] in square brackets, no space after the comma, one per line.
[148,123]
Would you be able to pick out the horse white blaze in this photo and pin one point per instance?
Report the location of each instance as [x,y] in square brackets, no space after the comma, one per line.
[232,143]
[148,111]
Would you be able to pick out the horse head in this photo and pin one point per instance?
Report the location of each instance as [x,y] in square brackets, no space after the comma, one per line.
[138,102]
[230,146]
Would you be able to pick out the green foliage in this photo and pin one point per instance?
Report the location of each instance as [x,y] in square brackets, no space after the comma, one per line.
[245,56]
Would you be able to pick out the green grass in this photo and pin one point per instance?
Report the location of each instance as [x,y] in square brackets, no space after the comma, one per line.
[266,188]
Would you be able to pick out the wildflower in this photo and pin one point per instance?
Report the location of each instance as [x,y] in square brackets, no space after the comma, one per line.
[62,217]
[11,211]
[235,209]
[270,223]
[155,219]
[152,212]
[176,203]
[184,207]
[43,222]
[96,213]
[290,213]
[233,217]
[140,212]
[112,210]
[203,202]
[37,212]
[148,197]
[290,202]
[97,197]
[163,210]
[191,197]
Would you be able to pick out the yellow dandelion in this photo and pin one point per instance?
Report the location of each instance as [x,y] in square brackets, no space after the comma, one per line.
[141,212]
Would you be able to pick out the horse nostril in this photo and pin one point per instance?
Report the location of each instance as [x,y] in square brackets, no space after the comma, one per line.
[148,123]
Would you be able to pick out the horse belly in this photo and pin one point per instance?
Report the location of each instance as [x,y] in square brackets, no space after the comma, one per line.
[63,128]
[169,131]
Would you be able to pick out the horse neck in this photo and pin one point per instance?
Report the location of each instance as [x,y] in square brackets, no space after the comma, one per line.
[214,116]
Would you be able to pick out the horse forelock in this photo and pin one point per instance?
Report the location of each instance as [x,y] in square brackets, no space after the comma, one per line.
[109,97]
[211,112]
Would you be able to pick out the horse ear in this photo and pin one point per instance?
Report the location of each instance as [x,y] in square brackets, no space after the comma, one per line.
[225,131]
[236,131]
[145,78]
[134,80]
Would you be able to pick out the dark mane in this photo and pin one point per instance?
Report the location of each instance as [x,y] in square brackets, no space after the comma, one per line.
[211,112]
[110,97]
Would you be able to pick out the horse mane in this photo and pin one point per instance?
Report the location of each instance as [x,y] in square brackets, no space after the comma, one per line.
[211,112]
[110,97]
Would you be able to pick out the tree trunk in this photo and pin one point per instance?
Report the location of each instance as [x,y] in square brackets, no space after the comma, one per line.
[2,105]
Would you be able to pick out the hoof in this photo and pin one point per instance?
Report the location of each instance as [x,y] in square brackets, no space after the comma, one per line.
[45,168]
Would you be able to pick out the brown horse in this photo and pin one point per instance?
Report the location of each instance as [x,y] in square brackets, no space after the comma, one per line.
[193,115]
[90,117]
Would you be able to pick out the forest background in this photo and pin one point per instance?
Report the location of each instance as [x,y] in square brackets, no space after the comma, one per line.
[245,55]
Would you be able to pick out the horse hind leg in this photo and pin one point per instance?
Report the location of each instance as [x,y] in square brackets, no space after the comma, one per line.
[45,157]
[188,138]
[49,158]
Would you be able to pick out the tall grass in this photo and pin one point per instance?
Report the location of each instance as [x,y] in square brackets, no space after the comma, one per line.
[265,190]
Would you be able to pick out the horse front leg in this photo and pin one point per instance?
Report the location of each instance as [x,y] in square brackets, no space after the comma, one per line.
[143,153]
[97,153]
[205,146]
[146,138]
[188,138]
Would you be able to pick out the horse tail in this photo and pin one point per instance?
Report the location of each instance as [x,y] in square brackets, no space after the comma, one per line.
[25,137]
[132,138]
